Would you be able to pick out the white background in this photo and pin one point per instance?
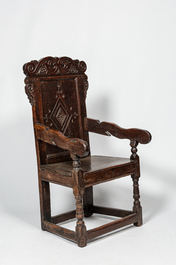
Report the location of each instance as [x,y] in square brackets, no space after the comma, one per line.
[129,47]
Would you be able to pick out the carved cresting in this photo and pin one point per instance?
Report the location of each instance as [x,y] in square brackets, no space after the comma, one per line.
[53,66]
[50,66]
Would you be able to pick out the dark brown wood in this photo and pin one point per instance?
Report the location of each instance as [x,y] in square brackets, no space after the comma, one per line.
[52,66]
[47,174]
[73,145]
[58,230]
[106,128]
[63,217]
[104,229]
[135,177]
[111,211]
[81,234]
[90,164]
[57,89]
[46,200]
[88,201]
[78,190]
[94,178]
[95,170]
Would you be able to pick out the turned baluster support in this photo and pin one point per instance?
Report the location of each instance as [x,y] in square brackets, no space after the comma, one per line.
[78,190]
[135,177]
[76,161]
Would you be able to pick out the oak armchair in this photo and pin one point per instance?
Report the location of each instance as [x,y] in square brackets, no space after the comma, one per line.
[57,88]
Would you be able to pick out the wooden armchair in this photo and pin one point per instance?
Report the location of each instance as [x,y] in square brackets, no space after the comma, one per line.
[56,88]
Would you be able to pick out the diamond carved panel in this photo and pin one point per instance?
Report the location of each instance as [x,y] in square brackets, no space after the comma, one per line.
[61,116]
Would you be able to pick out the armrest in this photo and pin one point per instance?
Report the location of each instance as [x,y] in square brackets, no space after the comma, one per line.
[106,128]
[74,145]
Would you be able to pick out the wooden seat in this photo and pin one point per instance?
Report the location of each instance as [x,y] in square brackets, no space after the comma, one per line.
[93,166]
[57,89]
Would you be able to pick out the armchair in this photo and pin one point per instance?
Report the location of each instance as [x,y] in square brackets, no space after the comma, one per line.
[57,88]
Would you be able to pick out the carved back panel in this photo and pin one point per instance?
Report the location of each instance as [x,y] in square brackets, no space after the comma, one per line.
[56,88]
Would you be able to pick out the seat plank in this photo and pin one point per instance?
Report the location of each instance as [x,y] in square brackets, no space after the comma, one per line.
[97,169]
[89,164]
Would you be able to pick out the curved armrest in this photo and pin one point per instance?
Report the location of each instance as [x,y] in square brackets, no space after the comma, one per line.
[106,128]
[74,145]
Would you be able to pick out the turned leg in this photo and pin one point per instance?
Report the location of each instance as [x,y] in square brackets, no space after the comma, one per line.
[88,201]
[78,190]
[135,177]
[137,206]
[80,226]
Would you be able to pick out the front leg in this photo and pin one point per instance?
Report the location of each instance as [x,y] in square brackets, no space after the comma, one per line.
[81,233]
[137,206]
[78,190]
[135,177]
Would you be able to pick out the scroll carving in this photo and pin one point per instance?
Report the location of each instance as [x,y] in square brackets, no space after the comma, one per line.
[86,84]
[50,66]
[29,89]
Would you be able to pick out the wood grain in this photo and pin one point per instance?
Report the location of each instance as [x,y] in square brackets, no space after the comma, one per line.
[74,145]
[57,88]
[104,229]
[106,128]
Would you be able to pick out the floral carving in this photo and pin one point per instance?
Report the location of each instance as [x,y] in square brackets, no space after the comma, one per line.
[50,66]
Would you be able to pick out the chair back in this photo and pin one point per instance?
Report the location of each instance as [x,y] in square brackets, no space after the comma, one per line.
[56,88]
